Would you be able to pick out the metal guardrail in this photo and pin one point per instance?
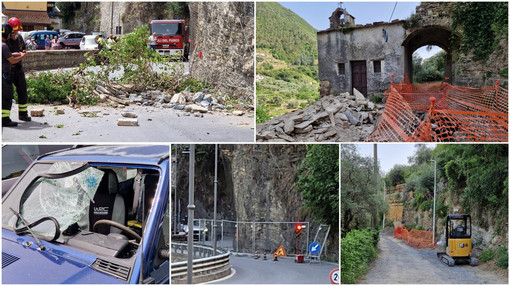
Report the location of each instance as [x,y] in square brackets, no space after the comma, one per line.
[206,268]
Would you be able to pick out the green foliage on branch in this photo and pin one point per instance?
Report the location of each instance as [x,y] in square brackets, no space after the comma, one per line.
[138,63]
[361,201]
[359,247]
[484,24]
[49,87]
[318,183]
[481,172]
[429,70]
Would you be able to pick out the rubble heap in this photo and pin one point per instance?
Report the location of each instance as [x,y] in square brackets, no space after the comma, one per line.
[117,95]
[344,118]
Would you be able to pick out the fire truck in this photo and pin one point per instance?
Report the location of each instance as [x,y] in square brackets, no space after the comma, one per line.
[172,37]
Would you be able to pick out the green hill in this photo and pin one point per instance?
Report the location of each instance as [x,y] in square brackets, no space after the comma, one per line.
[285,34]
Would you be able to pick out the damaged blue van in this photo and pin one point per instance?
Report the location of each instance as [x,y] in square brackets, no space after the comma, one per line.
[87,215]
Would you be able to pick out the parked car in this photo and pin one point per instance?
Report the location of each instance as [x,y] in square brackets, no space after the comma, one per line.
[62,32]
[40,36]
[96,214]
[88,42]
[24,35]
[199,231]
[70,40]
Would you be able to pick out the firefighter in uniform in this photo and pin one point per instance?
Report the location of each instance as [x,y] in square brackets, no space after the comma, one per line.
[17,44]
[8,59]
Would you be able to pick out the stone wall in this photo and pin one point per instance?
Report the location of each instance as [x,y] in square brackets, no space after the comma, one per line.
[53,59]
[222,35]
[339,47]
[111,14]
[255,183]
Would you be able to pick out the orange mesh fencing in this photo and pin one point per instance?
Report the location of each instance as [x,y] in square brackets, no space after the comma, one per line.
[415,238]
[449,114]
[420,239]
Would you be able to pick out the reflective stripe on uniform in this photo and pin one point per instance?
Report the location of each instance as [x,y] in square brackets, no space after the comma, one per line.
[6,113]
[22,107]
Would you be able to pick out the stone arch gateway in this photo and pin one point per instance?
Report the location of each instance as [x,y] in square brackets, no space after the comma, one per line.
[424,36]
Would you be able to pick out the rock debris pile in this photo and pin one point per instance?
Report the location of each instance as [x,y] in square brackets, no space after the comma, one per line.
[189,103]
[344,118]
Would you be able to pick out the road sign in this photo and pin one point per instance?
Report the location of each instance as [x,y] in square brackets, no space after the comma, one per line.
[280,252]
[314,248]
[334,276]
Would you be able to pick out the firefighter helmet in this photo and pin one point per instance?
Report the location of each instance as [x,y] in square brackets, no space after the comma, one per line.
[6,30]
[16,24]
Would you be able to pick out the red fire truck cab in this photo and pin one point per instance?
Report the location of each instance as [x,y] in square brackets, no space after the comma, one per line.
[172,37]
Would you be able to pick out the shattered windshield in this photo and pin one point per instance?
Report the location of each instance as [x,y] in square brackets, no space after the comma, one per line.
[65,198]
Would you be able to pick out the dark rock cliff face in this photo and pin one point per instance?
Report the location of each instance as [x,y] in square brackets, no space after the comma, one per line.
[256,183]
[222,35]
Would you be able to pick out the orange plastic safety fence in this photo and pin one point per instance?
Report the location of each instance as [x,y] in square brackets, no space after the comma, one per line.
[415,238]
[454,114]
[398,121]
[420,239]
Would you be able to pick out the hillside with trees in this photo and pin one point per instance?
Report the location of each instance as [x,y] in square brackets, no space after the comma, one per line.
[287,72]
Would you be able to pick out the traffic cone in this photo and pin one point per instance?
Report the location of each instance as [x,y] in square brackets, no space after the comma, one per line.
[265,256]
[256,254]
[275,258]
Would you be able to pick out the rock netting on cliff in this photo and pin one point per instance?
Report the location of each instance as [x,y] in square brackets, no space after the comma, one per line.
[333,118]
[222,44]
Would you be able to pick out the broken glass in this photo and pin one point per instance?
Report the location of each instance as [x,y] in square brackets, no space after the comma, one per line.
[67,198]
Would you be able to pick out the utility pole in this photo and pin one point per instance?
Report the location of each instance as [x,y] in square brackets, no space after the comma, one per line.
[434,208]
[376,179]
[191,211]
[215,195]
[384,196]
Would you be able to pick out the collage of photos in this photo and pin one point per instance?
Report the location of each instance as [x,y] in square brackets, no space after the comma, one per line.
[302,142]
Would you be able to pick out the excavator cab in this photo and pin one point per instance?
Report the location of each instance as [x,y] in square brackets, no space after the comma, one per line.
[458,241]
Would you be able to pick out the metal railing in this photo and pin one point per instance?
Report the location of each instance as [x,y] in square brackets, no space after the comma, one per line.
[206,268]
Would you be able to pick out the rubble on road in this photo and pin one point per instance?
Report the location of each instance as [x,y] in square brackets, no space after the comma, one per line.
[344,118]
[121,96]
[39,112]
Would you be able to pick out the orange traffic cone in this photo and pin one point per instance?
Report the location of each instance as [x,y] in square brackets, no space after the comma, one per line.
[256,254]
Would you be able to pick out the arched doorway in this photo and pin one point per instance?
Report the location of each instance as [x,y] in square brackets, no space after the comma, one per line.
[425,36]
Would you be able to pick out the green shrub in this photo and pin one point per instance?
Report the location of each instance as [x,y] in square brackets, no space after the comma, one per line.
[293,104]
[487,255]
[358,249]
[262,114]
[502,257]
[48,87]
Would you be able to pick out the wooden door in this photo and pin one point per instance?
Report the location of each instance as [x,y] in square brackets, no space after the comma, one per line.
[359,76]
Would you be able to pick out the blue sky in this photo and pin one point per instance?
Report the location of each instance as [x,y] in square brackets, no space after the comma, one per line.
[317,14]
[389,155]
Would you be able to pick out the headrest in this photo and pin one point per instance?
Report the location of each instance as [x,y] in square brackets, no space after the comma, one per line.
[109,182]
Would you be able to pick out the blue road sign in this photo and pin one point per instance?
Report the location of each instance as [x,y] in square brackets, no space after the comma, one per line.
[314,248]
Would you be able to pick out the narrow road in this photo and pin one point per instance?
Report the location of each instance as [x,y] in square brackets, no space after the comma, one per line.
[155,125]
[283,271]
[399,263]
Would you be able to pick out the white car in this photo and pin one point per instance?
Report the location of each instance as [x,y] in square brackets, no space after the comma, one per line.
[88,42]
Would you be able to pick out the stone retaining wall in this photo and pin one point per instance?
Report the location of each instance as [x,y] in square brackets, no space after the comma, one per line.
[53,59]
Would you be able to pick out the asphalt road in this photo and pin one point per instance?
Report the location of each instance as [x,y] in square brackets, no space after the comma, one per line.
[399,263]
[283,271]
[155,125]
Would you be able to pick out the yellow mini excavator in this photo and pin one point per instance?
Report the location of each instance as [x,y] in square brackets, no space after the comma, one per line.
[458,241]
